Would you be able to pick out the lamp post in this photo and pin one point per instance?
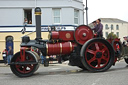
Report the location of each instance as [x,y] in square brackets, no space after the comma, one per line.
[86,13]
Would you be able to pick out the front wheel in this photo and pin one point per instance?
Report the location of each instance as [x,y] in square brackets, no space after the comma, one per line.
[24,70]
[97,55]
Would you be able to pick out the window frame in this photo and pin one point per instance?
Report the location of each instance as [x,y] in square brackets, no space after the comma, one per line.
[117,34]
[112,27]
[106,34]
[117,27]
[56,16]
[27,17]
[106,27]
[76,17]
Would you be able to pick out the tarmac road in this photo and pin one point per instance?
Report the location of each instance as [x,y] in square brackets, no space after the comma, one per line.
[62,74]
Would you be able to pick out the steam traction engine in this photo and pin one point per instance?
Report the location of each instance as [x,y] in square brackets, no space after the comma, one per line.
[79,46]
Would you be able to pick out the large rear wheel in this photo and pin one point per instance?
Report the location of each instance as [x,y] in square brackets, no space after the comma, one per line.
[97,55]
[27,68]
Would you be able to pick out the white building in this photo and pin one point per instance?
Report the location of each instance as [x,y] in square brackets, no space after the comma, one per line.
[54,12]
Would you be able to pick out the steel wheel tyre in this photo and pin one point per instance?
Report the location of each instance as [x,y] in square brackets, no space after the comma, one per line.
[126,60]
[26,69]
[97,55]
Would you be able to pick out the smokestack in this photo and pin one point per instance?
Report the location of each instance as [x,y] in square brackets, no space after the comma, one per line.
[38,22]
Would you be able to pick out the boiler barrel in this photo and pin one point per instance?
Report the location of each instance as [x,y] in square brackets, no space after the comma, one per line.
[60,48]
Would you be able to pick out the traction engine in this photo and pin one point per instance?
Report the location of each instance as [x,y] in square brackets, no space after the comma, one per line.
[79,47]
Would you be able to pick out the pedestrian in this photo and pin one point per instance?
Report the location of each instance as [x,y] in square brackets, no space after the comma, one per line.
[4,54]
[125,43]
[10,54]
[98,28]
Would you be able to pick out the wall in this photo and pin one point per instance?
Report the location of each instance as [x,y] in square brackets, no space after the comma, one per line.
[17,39]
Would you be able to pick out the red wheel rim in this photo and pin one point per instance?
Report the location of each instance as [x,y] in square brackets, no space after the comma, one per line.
[27,68]
[97,53]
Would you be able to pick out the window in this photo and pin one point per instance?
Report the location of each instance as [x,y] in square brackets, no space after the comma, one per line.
[56,16]
[117,34]
[106,34]
[112,27]
[76,16]
[106,27]
[27,16]
[117,27]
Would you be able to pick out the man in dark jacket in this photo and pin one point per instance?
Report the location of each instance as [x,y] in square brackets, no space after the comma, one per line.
[98,28]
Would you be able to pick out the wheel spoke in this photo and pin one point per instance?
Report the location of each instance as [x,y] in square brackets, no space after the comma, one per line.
[97,46]
[24,69]
[103,50]
[99,62]
[18,66]
[105,58]
[91,51]
[91,60]
[31,67]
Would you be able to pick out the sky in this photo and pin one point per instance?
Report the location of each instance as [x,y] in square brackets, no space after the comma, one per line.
[107,9]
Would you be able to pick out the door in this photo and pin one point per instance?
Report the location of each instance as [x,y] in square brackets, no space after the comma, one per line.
[9,42]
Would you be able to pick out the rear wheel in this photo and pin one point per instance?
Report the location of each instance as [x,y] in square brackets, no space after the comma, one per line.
[97,55]
[24,70]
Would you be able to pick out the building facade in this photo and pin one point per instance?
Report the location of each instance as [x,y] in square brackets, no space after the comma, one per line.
[64,14]
[54,12]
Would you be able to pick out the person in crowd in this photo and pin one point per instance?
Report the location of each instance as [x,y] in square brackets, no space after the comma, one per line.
[4,54]
[10,54]
[30,22]
[125,41]
[25,21]
[98,28]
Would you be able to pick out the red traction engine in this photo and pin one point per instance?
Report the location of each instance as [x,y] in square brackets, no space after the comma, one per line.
[79,46]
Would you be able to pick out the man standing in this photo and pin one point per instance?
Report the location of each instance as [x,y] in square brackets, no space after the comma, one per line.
[98,28]
[10,54]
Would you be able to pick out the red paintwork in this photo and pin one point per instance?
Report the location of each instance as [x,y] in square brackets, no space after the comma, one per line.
[63,35]
[25,68]
[22,53]
[55,35]
[60,48]
[83,29]
[116,40]
[91,58]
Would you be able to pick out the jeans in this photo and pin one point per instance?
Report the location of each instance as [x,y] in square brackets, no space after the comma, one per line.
[5,59]
[9,58]
[43,59]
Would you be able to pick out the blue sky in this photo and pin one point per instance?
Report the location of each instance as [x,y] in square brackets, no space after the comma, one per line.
[107,9]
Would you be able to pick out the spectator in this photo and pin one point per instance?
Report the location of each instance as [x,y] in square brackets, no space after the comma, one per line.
[125,43]
[4,53]
[30,22]
[10,54]
[25,21]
